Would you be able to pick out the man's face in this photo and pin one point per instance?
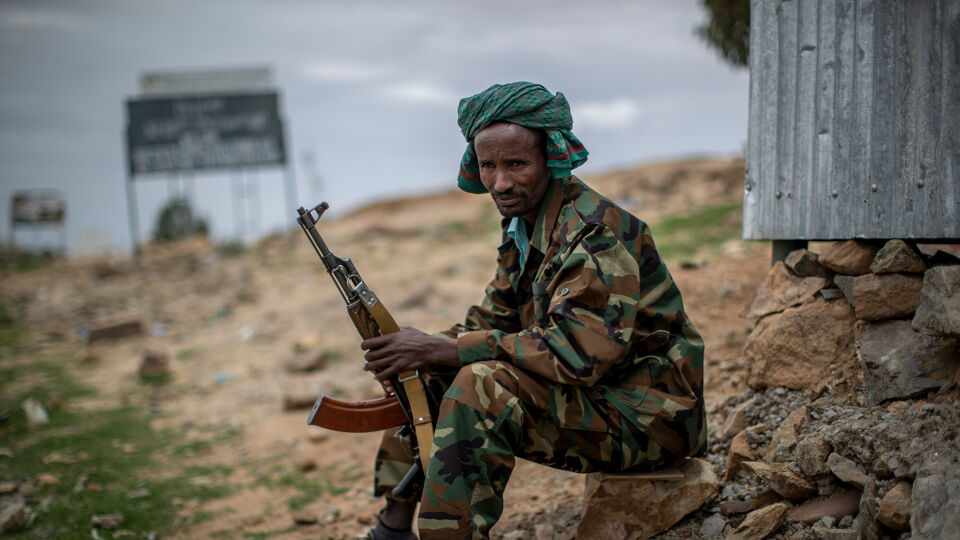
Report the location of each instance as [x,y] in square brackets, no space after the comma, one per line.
[513,168]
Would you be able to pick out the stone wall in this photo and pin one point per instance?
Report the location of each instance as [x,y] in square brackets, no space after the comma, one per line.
[860,344]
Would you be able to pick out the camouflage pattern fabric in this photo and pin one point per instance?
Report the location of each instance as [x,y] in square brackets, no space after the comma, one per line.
[526,104]
[583,359]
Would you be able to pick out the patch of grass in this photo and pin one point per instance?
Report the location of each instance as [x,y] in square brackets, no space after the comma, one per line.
[188,353]
[685,236]
[310,486]
[11,335]
[89,462]
[22,261]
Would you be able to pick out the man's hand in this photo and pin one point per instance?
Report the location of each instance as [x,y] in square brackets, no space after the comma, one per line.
[405,350]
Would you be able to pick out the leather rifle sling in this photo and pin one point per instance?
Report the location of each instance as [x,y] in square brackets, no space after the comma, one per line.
[413,387]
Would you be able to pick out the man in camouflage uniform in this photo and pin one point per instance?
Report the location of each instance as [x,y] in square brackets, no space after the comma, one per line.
[580,356]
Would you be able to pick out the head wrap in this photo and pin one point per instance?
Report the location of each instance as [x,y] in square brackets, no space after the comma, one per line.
[527,104]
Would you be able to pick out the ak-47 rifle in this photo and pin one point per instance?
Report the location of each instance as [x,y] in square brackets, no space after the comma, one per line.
[408,407]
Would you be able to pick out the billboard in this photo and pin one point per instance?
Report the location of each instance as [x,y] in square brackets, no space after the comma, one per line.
[166,134]
[44,207]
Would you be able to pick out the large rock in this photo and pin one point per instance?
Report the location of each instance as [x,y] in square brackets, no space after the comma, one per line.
[894,509]
[779,477]
[851,257]
[886,296]
[899,363]
[797,348]
[782,289]
[760,523]
[896,256]
[939,309]
[845,503]
[617,506]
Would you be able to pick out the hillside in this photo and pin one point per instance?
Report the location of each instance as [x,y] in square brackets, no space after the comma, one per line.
[222,457]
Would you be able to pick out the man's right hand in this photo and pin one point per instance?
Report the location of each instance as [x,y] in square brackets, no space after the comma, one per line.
[406,350]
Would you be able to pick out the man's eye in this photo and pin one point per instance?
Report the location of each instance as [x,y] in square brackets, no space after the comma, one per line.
[517,163]
[486,165]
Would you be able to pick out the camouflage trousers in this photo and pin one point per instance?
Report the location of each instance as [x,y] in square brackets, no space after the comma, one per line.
[491,413]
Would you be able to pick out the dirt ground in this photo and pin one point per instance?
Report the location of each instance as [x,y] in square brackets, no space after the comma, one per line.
[230,324]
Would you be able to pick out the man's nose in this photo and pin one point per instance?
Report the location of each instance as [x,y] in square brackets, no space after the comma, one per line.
[502,181]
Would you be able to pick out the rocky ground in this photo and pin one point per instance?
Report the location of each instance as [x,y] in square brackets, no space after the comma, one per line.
[245,339]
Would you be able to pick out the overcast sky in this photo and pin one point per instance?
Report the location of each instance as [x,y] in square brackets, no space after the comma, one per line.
[369,92]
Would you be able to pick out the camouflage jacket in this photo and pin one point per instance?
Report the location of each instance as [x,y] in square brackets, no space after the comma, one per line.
[594,307]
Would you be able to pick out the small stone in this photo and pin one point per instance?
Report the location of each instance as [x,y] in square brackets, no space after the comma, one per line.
[154,365]
[308,464]
[765,498]
[307,361]
[106,521]
[13,517]
[7,488]
[47,479]
[6,453]
[713,526]
[785,438]
[735,422]
[116,327]
[845,284]
[807,264]
[846,470]
[87,356]
[895,257]
[331,515]
[778,477]
[867,518]
[811,455]
[35,412]
[317,436]
[292,402]
[729,508]
[760,523]
[305,518]
[141,493]
[825,533]
[894,509]
[740,452]
[886,296]
[307,342]
[836,506]
[831,293]
[850,257]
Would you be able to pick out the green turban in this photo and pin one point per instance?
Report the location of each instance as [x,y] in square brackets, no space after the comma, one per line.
[527,104]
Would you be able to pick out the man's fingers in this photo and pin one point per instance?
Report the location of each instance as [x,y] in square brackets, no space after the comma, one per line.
[374,342]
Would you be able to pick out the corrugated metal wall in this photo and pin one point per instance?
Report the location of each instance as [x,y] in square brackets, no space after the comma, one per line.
[854,128]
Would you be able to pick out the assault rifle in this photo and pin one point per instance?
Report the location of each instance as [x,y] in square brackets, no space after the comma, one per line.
[408,406]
